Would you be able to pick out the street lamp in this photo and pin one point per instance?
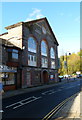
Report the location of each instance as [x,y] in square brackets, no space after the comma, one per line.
[66,62]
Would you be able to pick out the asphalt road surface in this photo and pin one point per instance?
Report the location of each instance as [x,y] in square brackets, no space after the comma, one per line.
[35,105]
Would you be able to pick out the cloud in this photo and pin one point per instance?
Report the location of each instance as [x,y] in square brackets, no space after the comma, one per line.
[36,14]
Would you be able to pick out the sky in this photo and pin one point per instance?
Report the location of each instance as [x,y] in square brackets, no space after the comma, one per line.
[64,19]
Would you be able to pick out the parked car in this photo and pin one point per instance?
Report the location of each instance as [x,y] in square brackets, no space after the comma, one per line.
[79,75]
[67,76]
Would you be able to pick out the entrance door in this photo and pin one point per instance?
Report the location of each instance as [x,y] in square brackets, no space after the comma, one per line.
[28,78]
[45,76]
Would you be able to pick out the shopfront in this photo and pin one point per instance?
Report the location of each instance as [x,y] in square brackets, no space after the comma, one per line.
[8,76]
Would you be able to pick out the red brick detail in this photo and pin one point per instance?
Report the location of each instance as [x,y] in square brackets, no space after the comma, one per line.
[12,64]
[9,87]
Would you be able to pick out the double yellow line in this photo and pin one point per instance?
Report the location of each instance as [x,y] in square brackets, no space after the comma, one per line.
[51,113]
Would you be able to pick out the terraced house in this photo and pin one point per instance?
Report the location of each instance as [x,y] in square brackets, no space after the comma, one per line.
[29,54]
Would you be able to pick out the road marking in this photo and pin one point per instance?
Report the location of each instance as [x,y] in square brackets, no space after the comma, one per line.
[57,108]
[26,102]
[78,84]
[22,102]
[60,89]
[44,93]
[52,92]
[19,102]
[71,87]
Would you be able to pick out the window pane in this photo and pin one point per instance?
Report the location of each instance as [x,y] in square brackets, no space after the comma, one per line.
[32,45]
[14,55]
[9,56]
[53,64]
[9,50]
[10,79]
[28,57]
[32,60]
[16,51]
[52,53]
[44,62]
[43,48]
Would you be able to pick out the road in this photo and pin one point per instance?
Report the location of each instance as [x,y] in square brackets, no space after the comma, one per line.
[38,103]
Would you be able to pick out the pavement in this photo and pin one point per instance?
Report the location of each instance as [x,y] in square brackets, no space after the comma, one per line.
[72,110]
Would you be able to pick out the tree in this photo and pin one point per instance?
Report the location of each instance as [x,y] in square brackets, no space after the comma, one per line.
[74,63]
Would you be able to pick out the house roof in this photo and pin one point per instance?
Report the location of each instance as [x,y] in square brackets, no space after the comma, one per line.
[4,33]
[6,43]
[34,21]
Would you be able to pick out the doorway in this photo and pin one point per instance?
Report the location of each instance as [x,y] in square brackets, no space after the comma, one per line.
[45,76]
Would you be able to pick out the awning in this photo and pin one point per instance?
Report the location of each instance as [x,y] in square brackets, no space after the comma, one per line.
[4,68]
[13,71]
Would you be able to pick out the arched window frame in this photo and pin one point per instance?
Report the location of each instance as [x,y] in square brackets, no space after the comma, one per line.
[31,44]
[52,53]
[43,52]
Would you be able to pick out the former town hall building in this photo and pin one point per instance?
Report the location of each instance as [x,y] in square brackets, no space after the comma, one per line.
[29,55]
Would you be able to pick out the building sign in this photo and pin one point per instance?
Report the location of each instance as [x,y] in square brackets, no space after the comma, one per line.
[4,68]
[51,77]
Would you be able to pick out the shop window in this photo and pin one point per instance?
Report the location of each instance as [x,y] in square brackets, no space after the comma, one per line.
[8,78]
[32,60]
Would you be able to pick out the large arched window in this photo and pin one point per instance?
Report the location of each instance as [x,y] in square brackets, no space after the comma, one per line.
[43,48]
[44,54]
[52,53]
[52,56]
[31,45]
[32,50]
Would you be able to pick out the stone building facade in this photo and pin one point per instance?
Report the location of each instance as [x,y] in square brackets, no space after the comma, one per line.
[36,61]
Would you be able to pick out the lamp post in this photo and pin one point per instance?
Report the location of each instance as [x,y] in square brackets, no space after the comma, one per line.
[66,63]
